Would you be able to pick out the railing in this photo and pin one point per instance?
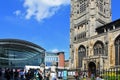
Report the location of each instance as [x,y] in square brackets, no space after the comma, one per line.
[111,74]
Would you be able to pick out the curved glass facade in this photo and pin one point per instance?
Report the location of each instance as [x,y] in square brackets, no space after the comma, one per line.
[18,53]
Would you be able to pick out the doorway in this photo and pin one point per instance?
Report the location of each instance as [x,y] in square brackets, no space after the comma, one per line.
[92,69]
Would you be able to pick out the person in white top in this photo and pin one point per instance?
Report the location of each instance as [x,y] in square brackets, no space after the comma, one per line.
[53,76]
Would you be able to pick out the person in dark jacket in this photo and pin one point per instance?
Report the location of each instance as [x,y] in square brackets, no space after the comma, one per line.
[28,75]
[16,75]
[40,74]
[7,74]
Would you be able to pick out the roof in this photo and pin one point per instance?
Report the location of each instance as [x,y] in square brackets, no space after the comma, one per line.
[22,42]
[108,25]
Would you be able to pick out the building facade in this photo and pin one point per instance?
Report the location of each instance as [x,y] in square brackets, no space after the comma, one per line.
[55,59]
[67,64]
[94,39]
[16,53]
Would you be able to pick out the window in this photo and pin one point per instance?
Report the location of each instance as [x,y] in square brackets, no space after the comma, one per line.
[81,35]
[117,51]
[100,5]
[81,55]
[83,5]
[77,12]
[75,38]
[98,48]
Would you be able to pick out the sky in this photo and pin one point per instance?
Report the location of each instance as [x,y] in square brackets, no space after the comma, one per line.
[43,22]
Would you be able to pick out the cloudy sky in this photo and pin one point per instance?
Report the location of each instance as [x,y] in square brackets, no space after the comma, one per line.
[43,22]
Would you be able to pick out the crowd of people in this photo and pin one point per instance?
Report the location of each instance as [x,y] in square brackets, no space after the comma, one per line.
[21,74]
[87,76]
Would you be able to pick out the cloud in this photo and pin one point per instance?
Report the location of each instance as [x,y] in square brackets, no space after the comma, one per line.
[17,12]
[55,50]
[42,9]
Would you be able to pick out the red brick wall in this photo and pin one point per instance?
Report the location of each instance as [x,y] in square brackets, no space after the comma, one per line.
[61,62]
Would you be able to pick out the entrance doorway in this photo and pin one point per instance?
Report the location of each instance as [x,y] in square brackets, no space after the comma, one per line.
[91,69]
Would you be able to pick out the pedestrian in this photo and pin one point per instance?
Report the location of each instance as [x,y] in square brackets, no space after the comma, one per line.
[0,73]
[16,75]
[98,78]
[88,78]
[28,75]
[40,76]
[92,76]
[53,76]
[7,74]
[47,75]
[22,74]
[36,75]
[101,78]
[76,75]
[11,74]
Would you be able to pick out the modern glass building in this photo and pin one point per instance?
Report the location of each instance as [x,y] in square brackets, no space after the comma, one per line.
[54,59]
[51,59]
[18,53]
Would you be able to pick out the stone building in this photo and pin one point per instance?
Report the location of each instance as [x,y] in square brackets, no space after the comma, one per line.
[94,39]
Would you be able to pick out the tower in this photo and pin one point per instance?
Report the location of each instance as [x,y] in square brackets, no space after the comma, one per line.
[86,16]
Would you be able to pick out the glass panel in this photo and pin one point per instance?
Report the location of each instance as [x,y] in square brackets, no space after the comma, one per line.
[19,57]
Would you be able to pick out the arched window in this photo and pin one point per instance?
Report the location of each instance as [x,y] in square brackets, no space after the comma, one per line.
[117,51]
[98,48]
[81,55]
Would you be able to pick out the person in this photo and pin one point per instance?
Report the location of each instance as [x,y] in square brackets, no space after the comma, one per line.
[11,74]
[36,74]
[0,73]
[53,76]
[28,75]
[76,75]
[7,74]
[40,74]
[98,78]
[47,76]
[16,74]
[22,74]
[101,78]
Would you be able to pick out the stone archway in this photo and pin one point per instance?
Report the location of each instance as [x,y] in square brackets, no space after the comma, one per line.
[91,69]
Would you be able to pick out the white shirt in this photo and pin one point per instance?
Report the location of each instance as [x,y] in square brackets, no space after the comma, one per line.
[53,75]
